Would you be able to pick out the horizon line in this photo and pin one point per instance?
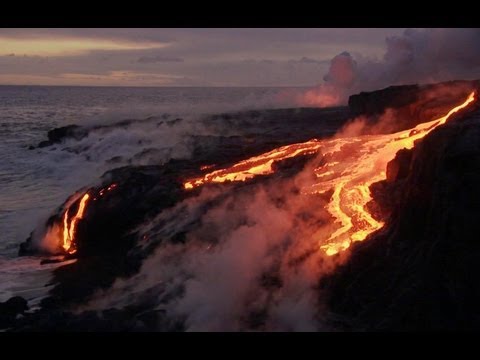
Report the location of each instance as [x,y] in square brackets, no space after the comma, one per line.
[169,86]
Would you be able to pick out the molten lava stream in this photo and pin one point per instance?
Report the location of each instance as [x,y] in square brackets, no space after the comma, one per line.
[353,165]
[69,226]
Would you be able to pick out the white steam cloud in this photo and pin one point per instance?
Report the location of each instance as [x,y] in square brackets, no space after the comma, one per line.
[417,56]
[250,260]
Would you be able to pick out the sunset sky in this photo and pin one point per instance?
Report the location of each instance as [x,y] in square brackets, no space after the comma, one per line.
[179,57]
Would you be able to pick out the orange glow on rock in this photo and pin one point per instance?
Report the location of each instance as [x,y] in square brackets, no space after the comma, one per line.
[69,223]
[206,167]
[258,165]
[352,165]
[69,227]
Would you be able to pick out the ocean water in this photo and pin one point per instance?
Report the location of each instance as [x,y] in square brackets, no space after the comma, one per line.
[34,182]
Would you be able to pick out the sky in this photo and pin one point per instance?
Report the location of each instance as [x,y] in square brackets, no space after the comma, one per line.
[180,57]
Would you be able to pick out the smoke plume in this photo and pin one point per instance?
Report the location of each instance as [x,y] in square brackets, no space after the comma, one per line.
[250,260]
[417,56]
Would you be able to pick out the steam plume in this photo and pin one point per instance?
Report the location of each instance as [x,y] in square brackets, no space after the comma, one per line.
[417,56]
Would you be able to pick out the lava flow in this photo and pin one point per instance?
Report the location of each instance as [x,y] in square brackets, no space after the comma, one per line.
[351,165]
[70,223]
[69,226]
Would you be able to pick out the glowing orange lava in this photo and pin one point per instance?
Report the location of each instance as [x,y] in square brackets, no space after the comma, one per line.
[69,226]
[206,167]
[352,165]
[258,165]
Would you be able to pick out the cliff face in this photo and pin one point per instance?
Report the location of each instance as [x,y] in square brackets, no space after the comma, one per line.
[422,271]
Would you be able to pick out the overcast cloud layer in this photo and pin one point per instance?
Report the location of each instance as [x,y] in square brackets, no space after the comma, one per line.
[179,57]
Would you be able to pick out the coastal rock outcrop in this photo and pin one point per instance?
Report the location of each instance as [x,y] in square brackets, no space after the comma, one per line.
[10,309]
[419,267]
[398,108]
[421,272]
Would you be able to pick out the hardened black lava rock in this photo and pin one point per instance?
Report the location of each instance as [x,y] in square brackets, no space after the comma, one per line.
[421,272]
[402,107]
[10,309]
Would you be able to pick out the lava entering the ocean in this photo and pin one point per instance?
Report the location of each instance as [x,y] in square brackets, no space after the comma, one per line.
[351,165]
[69,223]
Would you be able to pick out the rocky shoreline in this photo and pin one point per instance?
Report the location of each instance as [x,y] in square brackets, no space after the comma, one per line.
[425,257]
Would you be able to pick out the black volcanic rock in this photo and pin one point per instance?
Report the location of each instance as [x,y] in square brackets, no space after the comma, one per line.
[139,193]
[26,248]
[58,135]
[77,132]
[129,319]
[421,272]
[270,125]
[399,108]
[10,309]
[375,102]
[398,168]
[103,238]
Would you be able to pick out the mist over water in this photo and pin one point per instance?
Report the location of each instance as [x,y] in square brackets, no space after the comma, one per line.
[34,182]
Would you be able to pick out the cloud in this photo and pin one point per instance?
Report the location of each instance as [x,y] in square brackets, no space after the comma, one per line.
[157,59]
[416,56]
[65,46]
[307,60]
[291,57]
[124,77]
[110,78]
